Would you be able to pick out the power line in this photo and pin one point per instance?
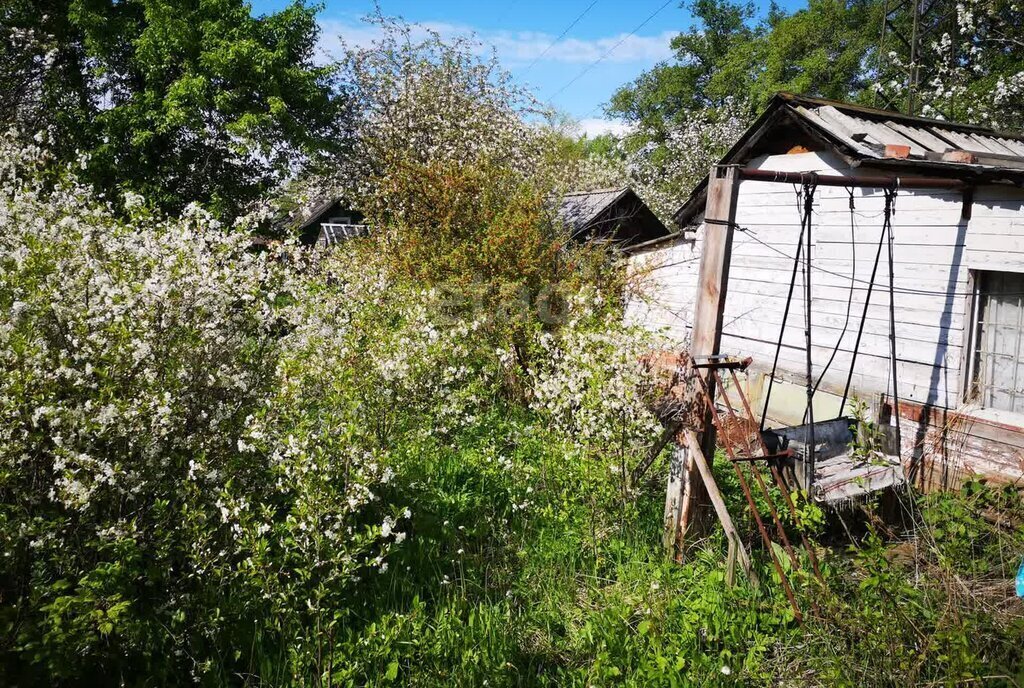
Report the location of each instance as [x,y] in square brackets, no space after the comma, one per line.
[608,52]
[560,36]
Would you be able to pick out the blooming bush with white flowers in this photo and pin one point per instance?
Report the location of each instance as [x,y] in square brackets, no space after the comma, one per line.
[182,472]
[972,66]
[593,388]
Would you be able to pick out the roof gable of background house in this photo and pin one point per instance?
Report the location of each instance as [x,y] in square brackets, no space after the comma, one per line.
[868,136]
[616,214]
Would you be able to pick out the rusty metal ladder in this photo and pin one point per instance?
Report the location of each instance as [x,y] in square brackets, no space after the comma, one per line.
[750,449]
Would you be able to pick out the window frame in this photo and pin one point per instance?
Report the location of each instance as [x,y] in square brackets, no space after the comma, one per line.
[971,391]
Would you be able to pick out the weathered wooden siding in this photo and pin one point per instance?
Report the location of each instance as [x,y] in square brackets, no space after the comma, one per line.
[934,250]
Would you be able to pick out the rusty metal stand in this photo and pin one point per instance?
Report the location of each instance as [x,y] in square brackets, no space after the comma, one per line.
[742,448]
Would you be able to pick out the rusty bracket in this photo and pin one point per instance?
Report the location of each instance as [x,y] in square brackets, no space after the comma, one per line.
[724,363]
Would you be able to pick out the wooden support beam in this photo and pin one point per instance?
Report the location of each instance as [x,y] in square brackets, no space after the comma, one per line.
[674,499]
[720,219]
[733,535]
[641,468]
[730,564]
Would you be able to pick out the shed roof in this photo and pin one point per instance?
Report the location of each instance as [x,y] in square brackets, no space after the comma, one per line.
[312,213]
[617,214]
[860,135]
[580,208]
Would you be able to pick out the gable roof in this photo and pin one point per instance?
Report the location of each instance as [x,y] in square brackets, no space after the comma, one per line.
[860,136]
[580,208]
[312,213]
[616,213]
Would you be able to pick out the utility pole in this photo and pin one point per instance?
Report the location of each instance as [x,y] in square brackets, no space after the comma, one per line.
[909,24]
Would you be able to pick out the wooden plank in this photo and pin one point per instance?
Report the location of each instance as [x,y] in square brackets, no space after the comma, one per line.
[674,499]
[1010,241]
[836,255]
[731,533]
[873,202]
[764,324]
[715,258]
[916,286]
[706,335]
[761,298]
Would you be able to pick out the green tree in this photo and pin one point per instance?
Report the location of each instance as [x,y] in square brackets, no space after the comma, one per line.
[659,96]
[726,56]
[179,100]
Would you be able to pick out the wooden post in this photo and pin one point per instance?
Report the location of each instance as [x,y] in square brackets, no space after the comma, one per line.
[719,221]
[736,549]
[730,564]
[674,497]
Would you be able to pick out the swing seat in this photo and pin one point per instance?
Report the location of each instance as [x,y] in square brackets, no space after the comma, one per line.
[839,475]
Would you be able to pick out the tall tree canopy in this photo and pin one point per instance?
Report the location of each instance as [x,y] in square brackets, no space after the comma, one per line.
[179,100]
[971,61]
[727,56]
[687,111]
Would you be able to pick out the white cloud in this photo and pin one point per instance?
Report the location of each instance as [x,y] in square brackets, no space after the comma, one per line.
[526,47]
[516,48]
[596,127]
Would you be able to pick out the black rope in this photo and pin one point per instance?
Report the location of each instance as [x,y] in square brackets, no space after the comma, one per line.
[782,329]
[849,301]
[867,298]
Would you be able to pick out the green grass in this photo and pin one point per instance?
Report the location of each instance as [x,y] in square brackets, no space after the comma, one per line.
[575,590]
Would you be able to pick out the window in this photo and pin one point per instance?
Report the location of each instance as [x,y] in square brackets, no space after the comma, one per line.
[999,354]
[346,220]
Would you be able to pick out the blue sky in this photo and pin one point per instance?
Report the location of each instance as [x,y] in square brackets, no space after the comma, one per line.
[522,30]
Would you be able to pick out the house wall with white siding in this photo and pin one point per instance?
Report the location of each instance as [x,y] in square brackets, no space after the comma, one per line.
[934,251]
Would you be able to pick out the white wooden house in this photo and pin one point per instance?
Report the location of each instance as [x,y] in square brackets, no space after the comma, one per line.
[957,282]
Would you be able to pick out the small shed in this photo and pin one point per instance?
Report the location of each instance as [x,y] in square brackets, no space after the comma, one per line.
[616,215]
[931,339]
[329,221]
